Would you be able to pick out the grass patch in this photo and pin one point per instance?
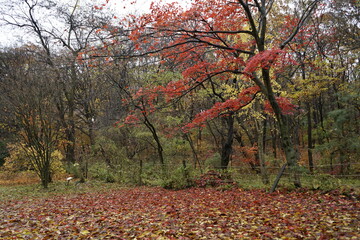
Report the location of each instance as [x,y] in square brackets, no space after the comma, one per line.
[321,182]
[14,192]
[27,185]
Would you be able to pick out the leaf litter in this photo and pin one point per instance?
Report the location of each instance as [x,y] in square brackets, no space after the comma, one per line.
[196,213]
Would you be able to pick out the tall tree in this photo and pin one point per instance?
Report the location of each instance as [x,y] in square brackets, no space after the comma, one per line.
[63,31]
[28,86]
[224,40]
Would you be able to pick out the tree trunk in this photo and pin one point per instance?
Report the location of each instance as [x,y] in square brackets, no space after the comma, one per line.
[226,149]
[287,145]
[291,154]
[310,145]
[276,182]
[159,147]
[140,172]
[261,146]
[45,172]
[273,141]
[70,97]
[70,147]
[196,158]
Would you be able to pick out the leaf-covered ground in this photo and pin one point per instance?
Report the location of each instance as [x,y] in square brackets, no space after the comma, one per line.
[155,213]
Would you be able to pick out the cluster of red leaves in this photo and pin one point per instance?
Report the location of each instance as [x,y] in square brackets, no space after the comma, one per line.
[102,5]
[222,13]
[263,60]
[245,154]
[155,213]
[287,107]
[223,108]
[145,100]
[205,41]
[194,34]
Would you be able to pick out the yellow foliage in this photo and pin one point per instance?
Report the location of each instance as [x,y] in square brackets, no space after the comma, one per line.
[230,91]
[316,82]
[57,166]
[19,160]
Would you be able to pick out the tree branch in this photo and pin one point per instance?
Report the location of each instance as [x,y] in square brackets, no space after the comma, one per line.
[302,20]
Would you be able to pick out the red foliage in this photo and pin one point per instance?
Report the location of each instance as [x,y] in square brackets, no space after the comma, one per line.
[209,40]
[287,107]
[264,59]
[131,119]
[144,102]
[244,154]
[193,34]
[223,108]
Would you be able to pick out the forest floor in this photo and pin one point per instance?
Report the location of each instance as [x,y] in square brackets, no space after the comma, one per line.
[157,213]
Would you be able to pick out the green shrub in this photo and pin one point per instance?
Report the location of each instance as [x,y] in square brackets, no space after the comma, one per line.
[102,172]
[214,162]
[180,178]
[325,182]
[152,174]
[4,153]
[74,170]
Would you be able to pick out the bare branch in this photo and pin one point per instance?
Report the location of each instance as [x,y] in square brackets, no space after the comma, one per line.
[302,20]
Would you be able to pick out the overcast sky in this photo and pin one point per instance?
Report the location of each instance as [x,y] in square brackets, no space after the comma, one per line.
[11,37]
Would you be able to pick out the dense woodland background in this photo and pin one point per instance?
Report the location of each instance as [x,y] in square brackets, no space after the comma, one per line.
[162,98]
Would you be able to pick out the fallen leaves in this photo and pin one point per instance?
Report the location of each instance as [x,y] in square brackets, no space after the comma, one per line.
[206,213]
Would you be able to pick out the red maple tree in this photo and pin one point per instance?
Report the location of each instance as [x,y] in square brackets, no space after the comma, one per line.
[218,40]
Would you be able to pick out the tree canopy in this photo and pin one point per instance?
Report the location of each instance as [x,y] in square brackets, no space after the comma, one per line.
[214,84]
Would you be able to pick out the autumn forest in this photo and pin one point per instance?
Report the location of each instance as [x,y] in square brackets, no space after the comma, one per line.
[251,101]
